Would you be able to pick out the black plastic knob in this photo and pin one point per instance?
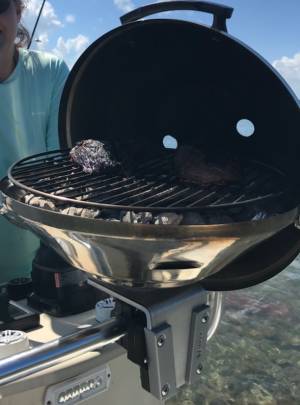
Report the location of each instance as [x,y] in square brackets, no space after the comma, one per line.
[19,288]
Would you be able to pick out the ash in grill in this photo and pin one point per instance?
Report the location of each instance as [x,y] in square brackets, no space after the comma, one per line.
[153,195]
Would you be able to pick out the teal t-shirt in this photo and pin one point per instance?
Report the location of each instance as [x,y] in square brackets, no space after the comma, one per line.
[29,103]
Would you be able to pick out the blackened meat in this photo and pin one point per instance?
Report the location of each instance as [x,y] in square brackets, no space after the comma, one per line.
[93,156]
[193,166]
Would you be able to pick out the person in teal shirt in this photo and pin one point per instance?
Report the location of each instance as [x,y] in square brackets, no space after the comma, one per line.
[31,84]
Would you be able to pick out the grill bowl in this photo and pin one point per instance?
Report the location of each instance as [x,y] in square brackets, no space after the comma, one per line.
[140,255]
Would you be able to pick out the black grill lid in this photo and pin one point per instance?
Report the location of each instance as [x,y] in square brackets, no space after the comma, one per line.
[148,79]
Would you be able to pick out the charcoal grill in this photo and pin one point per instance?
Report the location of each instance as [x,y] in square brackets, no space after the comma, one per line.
[132,88]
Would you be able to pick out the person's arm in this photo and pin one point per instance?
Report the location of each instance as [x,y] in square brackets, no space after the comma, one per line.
[52,140]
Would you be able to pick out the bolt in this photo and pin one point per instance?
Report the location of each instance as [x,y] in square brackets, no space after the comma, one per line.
[165,390]
[145,361]
[204,319]
[199,369]
[297,222]
[161,340]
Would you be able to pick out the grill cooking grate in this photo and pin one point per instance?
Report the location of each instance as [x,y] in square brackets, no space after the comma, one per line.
[154,186]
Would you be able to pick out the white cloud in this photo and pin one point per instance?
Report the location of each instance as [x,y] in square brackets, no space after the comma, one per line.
[124,5]
[42,41]
[70,18]
[289,68]
[70,49]
[67,48]
[48,22]
[48,18]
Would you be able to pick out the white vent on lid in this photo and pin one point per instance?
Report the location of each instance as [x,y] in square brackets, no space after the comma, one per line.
[245,127]
[170,142]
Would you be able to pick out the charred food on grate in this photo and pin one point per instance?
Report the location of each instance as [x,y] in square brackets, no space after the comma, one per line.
[193,166]
[93,156]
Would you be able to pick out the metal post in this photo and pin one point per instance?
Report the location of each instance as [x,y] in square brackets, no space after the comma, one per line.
[55,351]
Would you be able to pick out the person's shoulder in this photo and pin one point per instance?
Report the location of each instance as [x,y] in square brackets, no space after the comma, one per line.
[42,60]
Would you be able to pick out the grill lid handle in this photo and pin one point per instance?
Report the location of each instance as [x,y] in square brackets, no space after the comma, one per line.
[220,12]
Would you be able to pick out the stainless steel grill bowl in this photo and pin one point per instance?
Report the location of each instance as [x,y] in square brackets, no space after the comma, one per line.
[141,255]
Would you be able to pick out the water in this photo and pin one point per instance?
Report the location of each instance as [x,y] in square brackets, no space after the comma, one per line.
[254,358]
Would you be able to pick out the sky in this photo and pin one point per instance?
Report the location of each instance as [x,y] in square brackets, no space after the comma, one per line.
[270,27]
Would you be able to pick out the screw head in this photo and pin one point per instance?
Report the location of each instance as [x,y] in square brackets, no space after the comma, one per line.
[165,390]
[199,369]
[204,319]
[161,340]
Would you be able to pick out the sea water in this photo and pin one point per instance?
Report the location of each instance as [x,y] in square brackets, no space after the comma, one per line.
[254,357]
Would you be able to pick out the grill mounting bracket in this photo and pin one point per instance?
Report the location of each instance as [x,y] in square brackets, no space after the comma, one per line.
[170,347]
